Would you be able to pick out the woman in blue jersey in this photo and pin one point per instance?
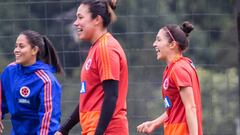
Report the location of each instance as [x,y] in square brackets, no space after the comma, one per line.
[29,90]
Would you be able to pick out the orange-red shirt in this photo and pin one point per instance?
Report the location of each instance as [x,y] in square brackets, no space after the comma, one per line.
[106,60]
[180,73]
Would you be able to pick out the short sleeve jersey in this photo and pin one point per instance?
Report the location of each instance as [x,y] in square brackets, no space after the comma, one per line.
[106,60]
[180,73]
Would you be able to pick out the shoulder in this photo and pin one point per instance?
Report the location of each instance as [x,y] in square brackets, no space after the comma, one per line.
[10,67]
[183,65]
[112,41]
[46,76]
[108,41]
[109,45]
[12,64]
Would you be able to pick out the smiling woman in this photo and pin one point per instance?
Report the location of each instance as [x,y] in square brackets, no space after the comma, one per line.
[29,90]
[25,54]
[104,76]
[93,17]
[180,86]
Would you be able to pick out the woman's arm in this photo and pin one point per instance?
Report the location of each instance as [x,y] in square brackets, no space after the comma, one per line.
[149,126]
[49,103]
[69,123]
[187,97]
[1,124]
[110,88]
[3,106]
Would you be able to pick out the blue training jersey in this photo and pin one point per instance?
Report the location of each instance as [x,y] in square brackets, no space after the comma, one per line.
[32,96]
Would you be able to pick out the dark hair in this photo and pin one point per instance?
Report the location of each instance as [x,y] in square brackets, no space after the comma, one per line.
[179,34]
[46,52]
[104,8]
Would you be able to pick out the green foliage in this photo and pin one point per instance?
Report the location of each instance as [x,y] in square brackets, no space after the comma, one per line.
[219,99]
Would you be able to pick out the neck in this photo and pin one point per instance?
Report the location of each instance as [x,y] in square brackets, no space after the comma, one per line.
[99,33]
[173,57]
[29,63]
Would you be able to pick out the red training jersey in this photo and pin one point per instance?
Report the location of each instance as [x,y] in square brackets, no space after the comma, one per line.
[180,73]
[106,60]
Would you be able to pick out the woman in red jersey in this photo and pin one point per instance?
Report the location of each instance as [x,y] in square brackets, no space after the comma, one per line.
[104,76]
[180,86]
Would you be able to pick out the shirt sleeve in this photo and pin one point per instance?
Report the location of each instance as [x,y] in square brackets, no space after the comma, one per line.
[108,62]
[181,77]
[49,108]
[3,103]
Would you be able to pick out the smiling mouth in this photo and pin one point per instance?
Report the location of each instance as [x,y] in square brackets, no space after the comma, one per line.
[79,30]
[17,56]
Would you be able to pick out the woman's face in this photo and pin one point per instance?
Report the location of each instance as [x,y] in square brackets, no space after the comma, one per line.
[84,23]
[161,45]
[24,53]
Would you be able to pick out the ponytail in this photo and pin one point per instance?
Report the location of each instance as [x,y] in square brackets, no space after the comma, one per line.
[50,56]
[46,51]
[111,8]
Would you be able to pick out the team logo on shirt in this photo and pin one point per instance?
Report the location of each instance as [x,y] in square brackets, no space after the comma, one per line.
[83,87]
[24,91]
[88,64]
[167,102]
[165,84]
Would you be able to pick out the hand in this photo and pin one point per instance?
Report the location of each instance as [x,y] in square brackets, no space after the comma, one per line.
[147,127]
[1,127]
[58,133]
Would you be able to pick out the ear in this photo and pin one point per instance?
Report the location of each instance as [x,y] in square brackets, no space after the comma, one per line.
[35,50]
[173,45]
[98,20]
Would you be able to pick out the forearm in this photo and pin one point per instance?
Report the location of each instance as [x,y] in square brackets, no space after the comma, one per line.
[106,115]
[160,120]
[70,122]
[149,126]
[108,107]
[192,120]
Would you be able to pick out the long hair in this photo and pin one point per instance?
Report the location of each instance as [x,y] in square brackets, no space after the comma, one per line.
[47,52]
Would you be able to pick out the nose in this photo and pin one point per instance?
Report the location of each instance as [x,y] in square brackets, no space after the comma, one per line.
[16,49]
[154,44]
[75,23]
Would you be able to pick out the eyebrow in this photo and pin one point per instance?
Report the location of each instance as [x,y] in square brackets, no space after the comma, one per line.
[19,43]
[78,14]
